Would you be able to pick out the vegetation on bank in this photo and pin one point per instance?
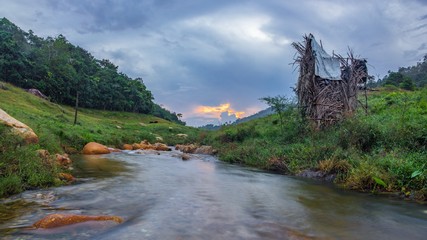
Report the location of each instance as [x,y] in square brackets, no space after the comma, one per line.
[20,166]
[385,150]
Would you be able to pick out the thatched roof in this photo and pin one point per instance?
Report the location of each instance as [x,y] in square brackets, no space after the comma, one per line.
[327,85]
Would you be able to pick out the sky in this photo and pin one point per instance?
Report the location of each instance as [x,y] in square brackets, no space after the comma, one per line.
[211,61]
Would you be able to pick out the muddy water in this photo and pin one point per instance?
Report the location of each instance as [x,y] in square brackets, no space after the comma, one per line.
[163,197]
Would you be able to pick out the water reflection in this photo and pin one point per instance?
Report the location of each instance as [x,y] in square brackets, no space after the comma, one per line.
[163,197]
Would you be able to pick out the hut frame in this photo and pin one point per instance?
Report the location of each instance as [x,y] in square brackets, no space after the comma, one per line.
[324,101]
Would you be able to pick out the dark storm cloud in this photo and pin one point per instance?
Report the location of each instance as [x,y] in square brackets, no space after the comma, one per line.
[107,15]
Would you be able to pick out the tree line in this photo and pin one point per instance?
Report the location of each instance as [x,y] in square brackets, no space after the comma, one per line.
[407,78]
[65,72]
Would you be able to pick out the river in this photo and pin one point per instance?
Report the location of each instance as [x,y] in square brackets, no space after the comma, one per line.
[163,197]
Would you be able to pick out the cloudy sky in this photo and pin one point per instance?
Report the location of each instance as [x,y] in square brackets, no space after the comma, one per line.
[213,60]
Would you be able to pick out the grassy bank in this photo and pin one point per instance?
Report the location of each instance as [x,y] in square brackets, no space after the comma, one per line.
[385,150]
[21,168]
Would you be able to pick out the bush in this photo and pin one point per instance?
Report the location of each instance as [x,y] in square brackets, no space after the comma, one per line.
[9,185]
[359,134]
[366,177]
[238,134]
[21,168]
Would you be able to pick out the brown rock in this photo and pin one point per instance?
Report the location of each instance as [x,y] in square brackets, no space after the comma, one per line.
[205,150]
[161,147]
[136,146]
[145,145]
[63,160]
[43,154]
[18,128]
[66,177]
[58,220]
[127,147]
[185,157]
[95,148]
[186,148]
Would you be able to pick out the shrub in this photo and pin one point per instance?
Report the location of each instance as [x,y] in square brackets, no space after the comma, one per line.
[366,177]
[359,134]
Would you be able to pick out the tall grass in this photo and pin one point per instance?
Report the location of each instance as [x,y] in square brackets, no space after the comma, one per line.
[385,150]
[20,166]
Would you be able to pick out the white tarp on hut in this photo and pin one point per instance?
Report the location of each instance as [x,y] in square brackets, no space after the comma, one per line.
[326,67]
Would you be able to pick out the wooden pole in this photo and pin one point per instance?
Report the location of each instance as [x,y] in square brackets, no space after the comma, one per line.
[76,108]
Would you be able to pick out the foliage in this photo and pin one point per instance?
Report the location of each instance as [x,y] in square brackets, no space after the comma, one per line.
[20,166]
[62,71]
[53,123]
[280,104]
[408,77]
[385,150]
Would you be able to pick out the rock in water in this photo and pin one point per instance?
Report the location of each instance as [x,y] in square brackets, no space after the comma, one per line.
[185,157]
[66,177]
[95,148]
[127,147]
[18,128]
[59,220]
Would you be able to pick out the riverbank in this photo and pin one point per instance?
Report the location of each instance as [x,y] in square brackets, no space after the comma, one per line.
[382,151]
[20,166]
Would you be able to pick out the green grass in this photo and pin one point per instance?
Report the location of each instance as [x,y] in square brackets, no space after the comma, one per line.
[20,166]
[53,123]
[385,150]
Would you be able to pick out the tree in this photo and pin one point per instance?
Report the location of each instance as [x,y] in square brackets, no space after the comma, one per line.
[70,75]
[280,105]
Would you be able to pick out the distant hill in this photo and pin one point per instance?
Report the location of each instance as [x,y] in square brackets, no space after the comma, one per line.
[408,77]
[260,114]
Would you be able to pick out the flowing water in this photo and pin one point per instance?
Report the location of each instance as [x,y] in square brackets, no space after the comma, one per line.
[163,197]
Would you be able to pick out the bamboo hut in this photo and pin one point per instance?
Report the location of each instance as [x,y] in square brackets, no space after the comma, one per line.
[328,86]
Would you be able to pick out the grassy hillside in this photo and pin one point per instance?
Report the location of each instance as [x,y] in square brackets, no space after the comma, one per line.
[53,123]
[21,168]
[385,150]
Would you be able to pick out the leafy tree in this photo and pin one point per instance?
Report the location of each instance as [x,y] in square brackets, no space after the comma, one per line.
[280,105]
[65,73]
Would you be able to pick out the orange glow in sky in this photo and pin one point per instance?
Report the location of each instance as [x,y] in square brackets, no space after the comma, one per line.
[217,110]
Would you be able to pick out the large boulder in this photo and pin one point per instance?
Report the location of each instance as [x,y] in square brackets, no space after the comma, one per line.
[95,148]
[59,220]
[18,128]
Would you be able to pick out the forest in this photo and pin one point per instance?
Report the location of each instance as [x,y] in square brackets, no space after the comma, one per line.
[64,72]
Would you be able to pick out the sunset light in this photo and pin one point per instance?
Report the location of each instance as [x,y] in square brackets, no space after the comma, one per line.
[216,111]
